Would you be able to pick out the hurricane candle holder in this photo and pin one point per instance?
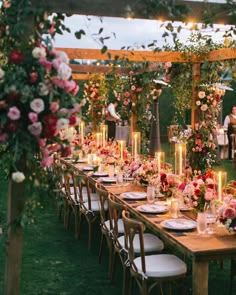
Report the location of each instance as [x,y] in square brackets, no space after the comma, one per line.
[221,180]
[180,158]
[81,129]
[104,131]
[160,159]
[98,137]
[122,147]
[136,143]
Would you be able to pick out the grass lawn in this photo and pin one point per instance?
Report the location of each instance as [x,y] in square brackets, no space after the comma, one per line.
[54,263]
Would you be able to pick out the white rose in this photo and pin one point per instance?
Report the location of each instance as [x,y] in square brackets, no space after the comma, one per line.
[63,56]
[39,52]
[63,123]
[64,71]
[43,89]
[2,74]
[37,105]
[18,176]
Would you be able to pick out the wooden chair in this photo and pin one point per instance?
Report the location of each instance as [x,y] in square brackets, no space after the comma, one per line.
[105,225]
[152,243]
[149,270]
[172,131]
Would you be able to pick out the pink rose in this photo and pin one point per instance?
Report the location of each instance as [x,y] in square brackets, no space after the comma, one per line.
[127,94]
[3,137]
[229,213]
[54,106]
[35,128]
[42,142]
[56,63]
[46,64]
[47,161]
[209,194]
[14,113]
[64,71]
[37,105]
[33,117]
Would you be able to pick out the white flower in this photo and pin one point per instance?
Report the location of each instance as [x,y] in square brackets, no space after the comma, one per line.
[198,103]
[204,107]
[63,56]
[35,128]
[37,105]
[201,94]
[18,176]
[39,52]
[2,74]
[63,123]
[64,71]
[43,89]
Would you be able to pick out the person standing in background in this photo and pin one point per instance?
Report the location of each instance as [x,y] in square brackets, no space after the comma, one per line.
[230,126]
[111,118]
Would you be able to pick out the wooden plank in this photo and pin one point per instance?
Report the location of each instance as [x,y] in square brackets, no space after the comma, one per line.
[200,274]
[138,9]
[76,68]
[221,54]
[82,76]
[132,55]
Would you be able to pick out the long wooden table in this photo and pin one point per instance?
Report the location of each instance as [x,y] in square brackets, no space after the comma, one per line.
[201,249]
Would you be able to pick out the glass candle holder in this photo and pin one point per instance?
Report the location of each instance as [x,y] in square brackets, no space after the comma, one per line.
[136,144]
[180,158]
[81,130]
[98,137]
[122,144]
[104,131]
[160,159]
[220,181]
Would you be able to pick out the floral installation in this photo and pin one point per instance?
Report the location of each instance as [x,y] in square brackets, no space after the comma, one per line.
[202,142]
[227,213]
[199,191]
[169,183]
[95,92]
[37,94]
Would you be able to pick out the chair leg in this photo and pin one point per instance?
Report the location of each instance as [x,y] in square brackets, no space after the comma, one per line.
[126,280]
[101,248]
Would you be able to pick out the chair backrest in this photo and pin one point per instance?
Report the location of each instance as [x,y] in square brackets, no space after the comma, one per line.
[103,197]
[69,181]
[115,213]
[172,130]
[133,227]
[82,181]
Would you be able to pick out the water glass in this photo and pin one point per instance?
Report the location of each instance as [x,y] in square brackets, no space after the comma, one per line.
[150,194]
[111,170]
[119,179]
[174,208]
[201,222]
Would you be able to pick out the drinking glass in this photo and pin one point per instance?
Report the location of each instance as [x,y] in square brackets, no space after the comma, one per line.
[111,170]
[150,194]
[201,222]
[174,208]
[119,178]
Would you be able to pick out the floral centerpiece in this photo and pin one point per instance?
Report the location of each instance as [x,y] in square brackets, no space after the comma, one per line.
[227,213]
[200,191]
[202,142]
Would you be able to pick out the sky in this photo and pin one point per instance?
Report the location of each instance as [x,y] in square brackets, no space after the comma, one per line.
[122,32]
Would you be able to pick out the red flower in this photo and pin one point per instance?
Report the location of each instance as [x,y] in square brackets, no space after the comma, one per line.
[234,183]
[198,136]
[197,192]
[72,120]
[33,77]
[16,57]
[13,96]
[12,126]
[50,129]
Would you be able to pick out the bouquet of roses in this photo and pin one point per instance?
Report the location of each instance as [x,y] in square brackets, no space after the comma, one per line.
[227,213]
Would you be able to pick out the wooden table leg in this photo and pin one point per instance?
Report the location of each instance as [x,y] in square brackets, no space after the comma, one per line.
[200,277]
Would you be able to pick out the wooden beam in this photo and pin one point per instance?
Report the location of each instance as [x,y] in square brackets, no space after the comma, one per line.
[82,76]
[137,9]
[76,68]
[222,54]
[131,55]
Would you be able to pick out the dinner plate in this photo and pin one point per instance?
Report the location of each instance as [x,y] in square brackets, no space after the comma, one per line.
[134,195]
[108,179]
[152,208]
[88,168]
[128,178]
[100,173]
[179,224]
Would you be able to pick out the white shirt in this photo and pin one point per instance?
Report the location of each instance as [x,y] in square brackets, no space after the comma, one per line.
[112,111]
[227,121]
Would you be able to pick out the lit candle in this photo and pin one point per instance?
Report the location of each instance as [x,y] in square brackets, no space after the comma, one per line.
[104,135]
[220,186]
[82,132]
[135,146]
[180,159]
[121,149]
[98,139]
[158,158]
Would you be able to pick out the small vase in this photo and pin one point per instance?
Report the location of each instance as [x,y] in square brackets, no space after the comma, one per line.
[201,222]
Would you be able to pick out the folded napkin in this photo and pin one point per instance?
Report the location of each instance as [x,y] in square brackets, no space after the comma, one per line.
[180,224]
[134,195]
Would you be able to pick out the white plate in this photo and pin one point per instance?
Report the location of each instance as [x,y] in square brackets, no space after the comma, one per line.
[88,168]
[108,179]
[80,161]
[128,178]
[179,224]
[100,173]
[134,195]
[152,208]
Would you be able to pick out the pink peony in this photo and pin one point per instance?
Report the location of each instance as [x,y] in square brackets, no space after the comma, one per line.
[229,213]
[33,117]
[14,113]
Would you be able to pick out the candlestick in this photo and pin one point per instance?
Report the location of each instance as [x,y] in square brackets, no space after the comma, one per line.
[135,144]
[82,132]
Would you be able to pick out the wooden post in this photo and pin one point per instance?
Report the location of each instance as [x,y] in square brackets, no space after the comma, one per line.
[133,119]
[15,238]
[196,76]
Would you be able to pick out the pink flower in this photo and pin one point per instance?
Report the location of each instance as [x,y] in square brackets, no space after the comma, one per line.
[45,63]
[201,94]
[42,142]
[209,194]
[64,71]
[139,89]
[204,107]
[54,106]
[229,213]
[37,105]
[3,137]
[47,161]
[14,113]
[35,128]
[33,117]
[56,63]
[127,94]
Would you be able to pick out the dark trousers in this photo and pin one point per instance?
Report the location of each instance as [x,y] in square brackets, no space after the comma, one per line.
[111,126]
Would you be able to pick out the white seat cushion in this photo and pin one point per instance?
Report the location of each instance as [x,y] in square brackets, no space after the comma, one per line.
[95,205]
[161,265]
[120,225]
[151,243]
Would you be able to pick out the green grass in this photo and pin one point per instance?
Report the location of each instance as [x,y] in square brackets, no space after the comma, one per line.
[54,263]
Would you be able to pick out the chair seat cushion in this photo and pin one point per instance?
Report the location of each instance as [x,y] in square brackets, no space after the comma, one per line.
[162,265]
[120,225]
[96,205]
[151,243]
